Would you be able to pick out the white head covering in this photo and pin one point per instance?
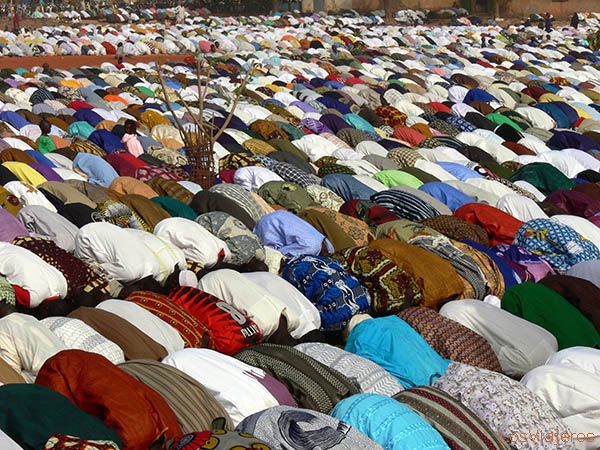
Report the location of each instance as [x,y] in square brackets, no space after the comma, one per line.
[584,358]
[302,316]
[26,344]
[575,394]
[27,270]
[520,207]
[233,383]
[194,240]
[520,345]
[252,178]
[123,255]
[252,299]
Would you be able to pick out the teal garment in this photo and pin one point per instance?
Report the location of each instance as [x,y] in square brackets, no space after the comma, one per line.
[30,414]
[80,128]
[399,349]
[388,422]
[358,122]
[175,208]
[393,178]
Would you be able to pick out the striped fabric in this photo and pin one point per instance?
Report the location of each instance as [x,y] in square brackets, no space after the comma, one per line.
[171,189]
[460,428]
[312,384]
[193,405]
[192,331]
[465,266]
[451,339]
[405,205]
[369,376]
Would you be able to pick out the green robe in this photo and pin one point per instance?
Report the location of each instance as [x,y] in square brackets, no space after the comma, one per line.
[544,307]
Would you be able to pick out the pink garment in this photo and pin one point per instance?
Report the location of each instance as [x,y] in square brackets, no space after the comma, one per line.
[132,144]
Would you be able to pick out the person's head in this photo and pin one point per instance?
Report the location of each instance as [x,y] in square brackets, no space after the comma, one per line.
[130,126]
[45,127]
[120,45]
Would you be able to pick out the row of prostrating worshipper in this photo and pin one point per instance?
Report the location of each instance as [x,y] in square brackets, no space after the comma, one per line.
[402,250]
[199,32]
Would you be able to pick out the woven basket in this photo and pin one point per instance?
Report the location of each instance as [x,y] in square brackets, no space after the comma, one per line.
[202,165]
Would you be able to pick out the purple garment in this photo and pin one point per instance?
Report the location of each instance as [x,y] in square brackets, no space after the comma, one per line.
[4,145]
[526,265]
[305,107]
[315,126]
[335,104]
[574,202]
[12,82]
[276,388]
[47,172]
[10,227]
[571,139]
[334,122]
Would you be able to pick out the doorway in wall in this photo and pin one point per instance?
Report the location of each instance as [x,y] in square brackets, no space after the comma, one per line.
[319,5]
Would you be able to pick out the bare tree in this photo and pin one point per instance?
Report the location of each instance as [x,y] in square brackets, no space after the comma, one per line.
[388,9]
[200,136]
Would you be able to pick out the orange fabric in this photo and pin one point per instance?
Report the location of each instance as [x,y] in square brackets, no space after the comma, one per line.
[500,226]
[435,276]
[128,185]
[59,142]
[138,413]
[409,135]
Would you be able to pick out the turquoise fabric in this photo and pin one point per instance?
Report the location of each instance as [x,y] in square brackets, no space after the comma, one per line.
[358,122]
[80,128]
[388,422]
[399,349]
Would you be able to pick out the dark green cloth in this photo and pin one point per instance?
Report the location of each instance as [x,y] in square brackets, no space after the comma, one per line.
[544,307]
[543,176]
[30,414]
[287,146]
[175,208]
[289,195]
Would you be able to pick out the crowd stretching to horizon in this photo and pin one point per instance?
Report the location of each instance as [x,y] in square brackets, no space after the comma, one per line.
[400,249]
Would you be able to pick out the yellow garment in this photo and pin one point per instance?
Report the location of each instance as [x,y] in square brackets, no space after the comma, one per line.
[545,98]
[25,173]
